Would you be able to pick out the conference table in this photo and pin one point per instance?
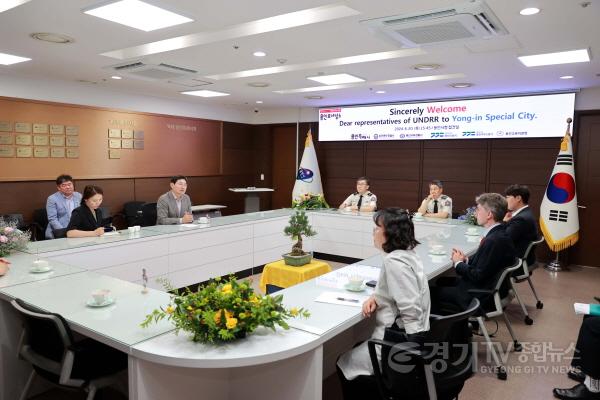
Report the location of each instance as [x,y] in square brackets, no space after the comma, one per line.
[162,364]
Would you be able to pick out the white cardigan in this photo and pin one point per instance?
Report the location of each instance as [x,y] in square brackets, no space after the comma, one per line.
[402,289]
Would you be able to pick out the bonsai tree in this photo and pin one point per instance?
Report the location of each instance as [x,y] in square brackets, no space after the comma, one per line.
[298,226]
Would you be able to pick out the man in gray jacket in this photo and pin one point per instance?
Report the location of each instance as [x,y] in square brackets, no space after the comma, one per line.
[175,207]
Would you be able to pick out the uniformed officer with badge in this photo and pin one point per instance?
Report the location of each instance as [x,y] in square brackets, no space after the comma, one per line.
[362,199]
[436,205]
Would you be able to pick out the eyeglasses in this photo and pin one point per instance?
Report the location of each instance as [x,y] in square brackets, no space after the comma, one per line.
[65,184]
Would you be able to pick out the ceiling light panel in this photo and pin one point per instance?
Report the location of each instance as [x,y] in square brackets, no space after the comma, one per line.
[8,4]
[205,93]
[334,62]
[9,59]
[376,83]
[562,57]
[335,79]
[138,15]
[271,24]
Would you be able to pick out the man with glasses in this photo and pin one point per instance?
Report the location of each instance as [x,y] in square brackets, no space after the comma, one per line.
[60,205]
[362,199]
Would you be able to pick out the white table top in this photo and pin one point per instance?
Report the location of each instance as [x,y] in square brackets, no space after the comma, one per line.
[117,325]
[20,270]
[251,190]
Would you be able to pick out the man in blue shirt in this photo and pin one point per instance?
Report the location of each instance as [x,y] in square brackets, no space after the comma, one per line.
[60,205]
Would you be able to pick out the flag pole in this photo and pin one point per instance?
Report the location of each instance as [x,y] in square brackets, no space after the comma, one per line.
[556,265]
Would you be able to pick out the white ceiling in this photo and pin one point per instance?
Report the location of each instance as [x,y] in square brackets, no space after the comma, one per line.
[491,65]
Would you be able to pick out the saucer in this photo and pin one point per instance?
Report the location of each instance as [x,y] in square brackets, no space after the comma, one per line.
[437,253]
[362,287]
[41,270]
[107,302]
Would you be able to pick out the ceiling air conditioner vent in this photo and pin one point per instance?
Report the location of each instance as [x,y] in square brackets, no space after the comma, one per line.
[162,71]
[471,20]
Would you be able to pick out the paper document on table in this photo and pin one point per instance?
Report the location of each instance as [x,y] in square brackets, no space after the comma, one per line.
[345,299]
[339,278]
[189,225]
[112,233]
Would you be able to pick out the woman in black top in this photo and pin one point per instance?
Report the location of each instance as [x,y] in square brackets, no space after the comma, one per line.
[86,220]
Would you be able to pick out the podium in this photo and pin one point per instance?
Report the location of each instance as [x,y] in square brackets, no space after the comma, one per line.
[252,201]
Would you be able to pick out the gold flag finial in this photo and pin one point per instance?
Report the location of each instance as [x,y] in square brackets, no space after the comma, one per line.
[564,144]
[308,139]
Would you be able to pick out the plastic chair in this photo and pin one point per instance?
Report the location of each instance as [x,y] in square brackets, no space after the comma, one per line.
[435,370]
[524,274]
[47,343]
[493,303]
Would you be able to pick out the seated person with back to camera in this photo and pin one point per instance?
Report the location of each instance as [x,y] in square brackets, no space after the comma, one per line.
[401,297]
[175,207]
[362,199]
[86,220]
[437,204]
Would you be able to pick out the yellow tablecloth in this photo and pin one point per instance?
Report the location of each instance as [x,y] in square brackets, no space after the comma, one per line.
[279,274]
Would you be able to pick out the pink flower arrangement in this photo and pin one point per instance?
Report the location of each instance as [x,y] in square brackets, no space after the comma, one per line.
[11,238]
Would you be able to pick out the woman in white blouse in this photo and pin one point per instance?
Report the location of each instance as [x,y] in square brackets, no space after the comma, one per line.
[401,296]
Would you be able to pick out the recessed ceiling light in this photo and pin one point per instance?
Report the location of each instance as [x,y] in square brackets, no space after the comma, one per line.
[116,77]
[259,84]
[138,15]
[562,57]
[205,93]
[566,77]
[314,97]
[335,79]
[529,11]
[380,91]
[259,54]
[8,4]
[259,102]
[460,85]
[426,67]
[52,37]
[8,59]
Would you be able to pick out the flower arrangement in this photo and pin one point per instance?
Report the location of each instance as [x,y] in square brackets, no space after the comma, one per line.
[469,216]
[223,310]
[309,201]
[11,238]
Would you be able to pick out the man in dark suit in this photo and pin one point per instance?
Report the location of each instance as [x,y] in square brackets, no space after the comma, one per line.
[521,225]
[586,363]
[495,253]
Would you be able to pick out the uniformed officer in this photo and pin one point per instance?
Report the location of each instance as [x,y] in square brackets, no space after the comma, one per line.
[436,205]
[362,199]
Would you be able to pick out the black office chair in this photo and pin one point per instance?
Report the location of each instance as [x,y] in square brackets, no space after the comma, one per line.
[40,218]
[132,211]
[493,303]
[435,370]
[148,214]
[47,343]
[524,274]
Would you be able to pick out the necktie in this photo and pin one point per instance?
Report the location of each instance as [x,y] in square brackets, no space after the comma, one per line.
[435,207]
[359,202]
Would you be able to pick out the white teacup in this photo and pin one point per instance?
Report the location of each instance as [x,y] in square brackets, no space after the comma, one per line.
[100,295]
[131,229]
[203,220]
[355,282]
[39,265]
[472,230]
[418,215]
[137,228]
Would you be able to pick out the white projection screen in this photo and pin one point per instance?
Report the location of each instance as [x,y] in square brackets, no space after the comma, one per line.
[504,117]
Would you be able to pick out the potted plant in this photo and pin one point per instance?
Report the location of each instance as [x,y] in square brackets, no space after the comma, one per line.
[297,227]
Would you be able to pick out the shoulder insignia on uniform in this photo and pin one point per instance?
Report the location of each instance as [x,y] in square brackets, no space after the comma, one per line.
[369,194]
[355,193]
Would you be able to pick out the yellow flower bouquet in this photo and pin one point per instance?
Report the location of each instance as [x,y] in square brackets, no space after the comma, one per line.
[309,201]
[223,310]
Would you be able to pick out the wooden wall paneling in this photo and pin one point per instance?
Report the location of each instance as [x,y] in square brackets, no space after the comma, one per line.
[206,190]
[25,197]
[529,166]
[283,165]
[393,161]
[338,189]
[458,164]
[537,143]
[346,161]
[116,192]
[396,193]
[150,189]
